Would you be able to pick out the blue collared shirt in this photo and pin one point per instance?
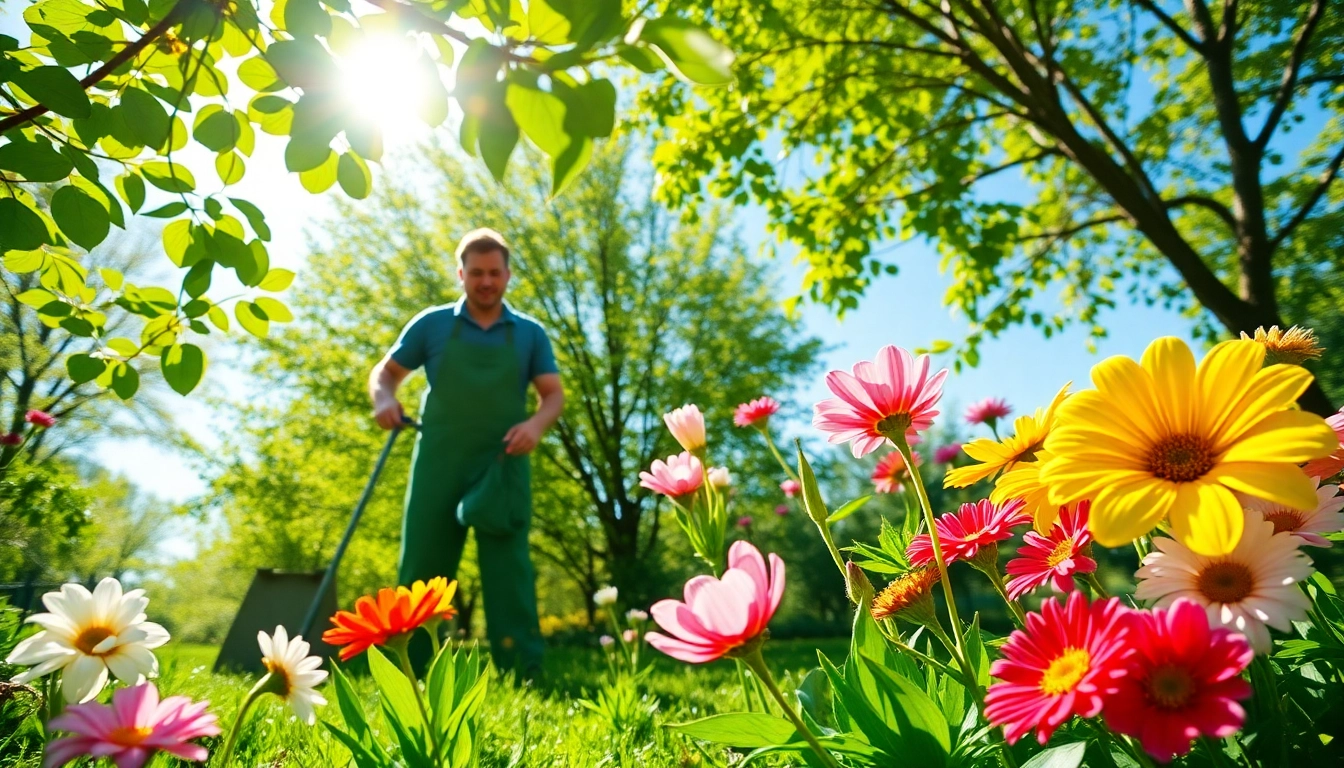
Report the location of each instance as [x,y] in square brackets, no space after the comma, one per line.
[423,340]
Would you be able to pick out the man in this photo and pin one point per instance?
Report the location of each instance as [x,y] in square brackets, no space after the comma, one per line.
[479,356]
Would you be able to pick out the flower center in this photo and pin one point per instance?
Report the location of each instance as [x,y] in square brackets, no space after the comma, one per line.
[895,424]
[129,735]
[279,682]
[1226,582]
[1181,458]
[90,638]
[1285,519]
[1063,551]
[1065,671]
[1029,455]
[1170,686]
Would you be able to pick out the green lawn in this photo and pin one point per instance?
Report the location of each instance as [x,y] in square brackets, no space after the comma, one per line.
[535,726]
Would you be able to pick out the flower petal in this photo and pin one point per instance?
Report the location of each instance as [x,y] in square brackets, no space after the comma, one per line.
[1207,518]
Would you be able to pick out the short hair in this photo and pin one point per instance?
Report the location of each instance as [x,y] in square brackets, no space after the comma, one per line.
[483,240]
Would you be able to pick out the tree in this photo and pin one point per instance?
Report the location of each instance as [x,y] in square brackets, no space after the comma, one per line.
[1155,144]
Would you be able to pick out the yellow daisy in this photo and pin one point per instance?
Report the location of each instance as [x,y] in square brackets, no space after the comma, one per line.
[1024,482]
[1162,439]
[1028,436]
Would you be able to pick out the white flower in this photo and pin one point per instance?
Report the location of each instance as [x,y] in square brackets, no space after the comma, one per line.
[687,425]
[629,635]
[606,640]
[1250,587]
[719,477]
[86,636]
[604,597]
[634,614]
[293,672]
[1306,524]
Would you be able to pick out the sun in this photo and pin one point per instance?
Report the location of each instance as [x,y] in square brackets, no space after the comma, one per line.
[389,79]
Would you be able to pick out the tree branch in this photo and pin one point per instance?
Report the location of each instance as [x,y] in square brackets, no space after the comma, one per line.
[1170,23]
[1327,177]
[425,23]
[1218,208]
[1290,73]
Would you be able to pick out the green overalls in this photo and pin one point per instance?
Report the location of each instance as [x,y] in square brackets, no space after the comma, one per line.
[472,403]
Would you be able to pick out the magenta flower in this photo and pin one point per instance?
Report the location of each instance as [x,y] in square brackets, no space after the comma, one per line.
[132,729]
[782,510]
[756,413]
[893,394]
[790,488]
[1184,681]
[681,475]
[890,473]
[988,411]
[11,438]
[947,454]
[744,521]
[720,615]
[964,532]
[40,419]
[1055,558]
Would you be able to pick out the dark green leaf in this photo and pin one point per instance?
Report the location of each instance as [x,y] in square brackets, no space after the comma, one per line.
[216,129]
[125,380]
[197,281]
[83,368]
[254,217]
[590,108]
[643,59]
[303,63]
[167,211]
[146,117]
[35,160]
[914,716]
[498,140]
[81,218]
[170,178]
[21,229]
[570,163]
[306,17]
[183,366]
[132,189]
[354,176]
[585,22]
[303,154]
[56,89]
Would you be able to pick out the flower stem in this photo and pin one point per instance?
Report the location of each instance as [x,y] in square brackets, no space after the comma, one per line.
[248,701]
[770,443]
[757,664]
[742,681]
[1095,584]
[927,507]
[405,660]
[1014,606]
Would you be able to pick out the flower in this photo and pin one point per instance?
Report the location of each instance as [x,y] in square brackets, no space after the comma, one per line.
[1023,482]
[40,419]
[756,413]
[11,438]
[790,488]
[1306,524]
[294,674]
[962,533]
[782,509]
[719,477]
[1252,586]
[1054,558]
[439,590]
[605,596]
[988,411]
[720,615]
[1183,681]
[890,472]
[893,395]
[687,425]
[390,616]
[130,730]
[605,641]
[629,635]
[634,614]
[1163,439]
[994,455]
[1332,464]
[744,521]
[87,635]
[1065,662]
[947,454]
[909,596]
[1293,346]
[681,475]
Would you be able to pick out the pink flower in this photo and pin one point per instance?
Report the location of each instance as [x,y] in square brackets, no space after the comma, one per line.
[687,425]
[988,411]
[947,454]
[890,471]
[1054,558]
[744,521]
[782,510]
[132,729]
[757,412]
[1306,524]
[1183,682]
[720,615]
[681,475]
[1066,662]
[629,635]
[605,641]
[893,394]
[964,532]
[1332,464]
[790,488]
[11,438]
[40,419]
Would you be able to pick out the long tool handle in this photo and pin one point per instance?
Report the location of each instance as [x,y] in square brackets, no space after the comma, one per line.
[330,575]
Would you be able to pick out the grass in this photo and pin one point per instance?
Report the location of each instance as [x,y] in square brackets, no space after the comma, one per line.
[536,726]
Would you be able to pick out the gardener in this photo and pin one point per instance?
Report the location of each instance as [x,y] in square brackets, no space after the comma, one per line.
[470,466]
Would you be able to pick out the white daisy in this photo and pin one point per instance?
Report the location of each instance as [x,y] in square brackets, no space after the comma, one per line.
[87,635]
[294,674]
[604,596]
[1306,524]
[1250,587]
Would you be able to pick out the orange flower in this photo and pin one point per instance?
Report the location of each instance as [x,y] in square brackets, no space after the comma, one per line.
[438,589]
[376,621]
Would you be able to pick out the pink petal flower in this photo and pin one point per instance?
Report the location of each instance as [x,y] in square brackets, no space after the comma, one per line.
[1332,464]
[988,411]
[681,475]
[687,425]
[890,473]
[129,731]
[896,387]
[964,532]
[782,510]
[790,488]
[757,412]
[40,419]
[1055,558]
[947,454]
[744,521]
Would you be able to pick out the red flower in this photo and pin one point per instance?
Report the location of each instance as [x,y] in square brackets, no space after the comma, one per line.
[964,532]
[11,438]
[891,472]
[40,419]
[744,521]
[790,488]
[1183,682]
[757,412]
[394,613]
[1066,662]
[1054,558]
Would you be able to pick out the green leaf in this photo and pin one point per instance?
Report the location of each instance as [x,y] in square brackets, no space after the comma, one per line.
[35,160]
[304,153]
[350,703]
[556,22]
[177,237]
[354,176]
[216,128]
[569,164]
[125,380]
[219,318]
[253,320]
[859,712]
[541,115]
[590,108]
[83,368]
[56,89]
[303,63]
[320,178]
[848,509]
[1063,756]
[230,167]
[132,189]
[398,693]
[21,229]
[276,280]
[183,367]
[641,58]
[197,280]
[81,218]
[688,50]
[914,716]
[976,656]
[306,18]
[147,118]
[36,298]
[498,140]
[258,74]
[816,508]
[173,178]
[433,106]
[254,216]
[111,278]
[740,729]
[275,310]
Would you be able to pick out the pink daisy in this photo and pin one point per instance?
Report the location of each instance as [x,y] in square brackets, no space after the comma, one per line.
[947,454]
[964,532]
[132,729]
[1065,662]
[1306,524]
[782,510]
[1054,558]
[790,488]
[40,419]
[891,395]
[1332,464]
[744,521]
[756,413]
[890,472]
[681,475]
[1183,682]
[988,411]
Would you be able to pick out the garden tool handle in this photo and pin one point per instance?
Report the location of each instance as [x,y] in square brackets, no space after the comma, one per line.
[330,576]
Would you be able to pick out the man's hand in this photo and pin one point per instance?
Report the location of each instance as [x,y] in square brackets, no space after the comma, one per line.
[522,438]
[388,413]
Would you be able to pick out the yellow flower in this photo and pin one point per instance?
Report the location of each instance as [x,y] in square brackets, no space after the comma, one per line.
[1024,482]
[1292,346]
[438,589]
[1166,440]
[1029,435]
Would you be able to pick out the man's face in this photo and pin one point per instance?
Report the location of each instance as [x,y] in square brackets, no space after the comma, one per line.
[485,277]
